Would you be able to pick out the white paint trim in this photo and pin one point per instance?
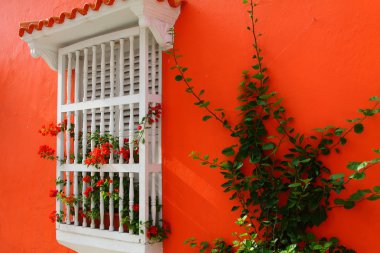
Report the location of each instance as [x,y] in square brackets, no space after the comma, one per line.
[158,17]
[122,34]
[108,102]
[79,240]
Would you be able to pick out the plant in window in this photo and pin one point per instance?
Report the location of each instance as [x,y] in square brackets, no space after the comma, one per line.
[158,232]
[104,144]
[96,187]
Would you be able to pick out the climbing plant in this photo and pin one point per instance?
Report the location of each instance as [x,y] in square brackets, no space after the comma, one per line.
[277,179]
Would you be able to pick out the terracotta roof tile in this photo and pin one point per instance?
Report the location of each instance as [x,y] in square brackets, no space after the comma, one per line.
[30,26]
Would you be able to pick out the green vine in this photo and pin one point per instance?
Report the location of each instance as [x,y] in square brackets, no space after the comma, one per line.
[277,179]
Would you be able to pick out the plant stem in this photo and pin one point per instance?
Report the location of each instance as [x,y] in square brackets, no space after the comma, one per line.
[197,97]
[352,128]
[255,44]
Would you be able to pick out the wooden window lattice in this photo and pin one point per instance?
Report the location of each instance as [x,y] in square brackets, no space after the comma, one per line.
[106,84]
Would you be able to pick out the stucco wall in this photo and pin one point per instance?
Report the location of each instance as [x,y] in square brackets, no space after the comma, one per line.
[323,58]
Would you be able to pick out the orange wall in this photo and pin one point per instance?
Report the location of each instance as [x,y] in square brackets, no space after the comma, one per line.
[323,58]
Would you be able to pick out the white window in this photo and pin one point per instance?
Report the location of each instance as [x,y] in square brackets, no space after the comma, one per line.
[109,76]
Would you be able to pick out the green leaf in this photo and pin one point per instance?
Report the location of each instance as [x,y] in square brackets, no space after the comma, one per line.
[191,239]
[353,120]
[340,202]
[342,140]
[294,185]
[255,156]
[278,102]
[305,160]
[358,128]
[229,151]
[373,197]
[269,146]
[258,76]
[178,78]
[234,208]
[227,184]
[201,92]
[338,131]
[337,176]
[349,205]
[375,98]
[204,104]
[358,175]
[310,237]
[357,195]
[207,117]
[204,244]
[320,130]
[367,112]
[266,96]
[356,165]
[376,189]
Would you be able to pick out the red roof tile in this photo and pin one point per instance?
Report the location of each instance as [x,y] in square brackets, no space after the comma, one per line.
[30,26]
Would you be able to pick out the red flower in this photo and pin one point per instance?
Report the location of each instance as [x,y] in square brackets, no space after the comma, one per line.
[53,193]
[125,153]
[135,207]
[100,183]
[70,199]
[106,148]
[152,232]
[87,179]
[44,130]
[87,161]
[46,152]
[126,141]
[88,191]
[116,190]
[110,181]
[52,129]
[53,216]
[139,128]
[97,155]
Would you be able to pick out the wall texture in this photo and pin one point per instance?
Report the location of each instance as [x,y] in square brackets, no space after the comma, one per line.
[323,59]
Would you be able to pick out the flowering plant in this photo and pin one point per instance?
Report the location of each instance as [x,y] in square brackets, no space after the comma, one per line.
[158,232]
[105,145]
[105,148]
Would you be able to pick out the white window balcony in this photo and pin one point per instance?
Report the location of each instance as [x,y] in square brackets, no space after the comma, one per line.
[108,60]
